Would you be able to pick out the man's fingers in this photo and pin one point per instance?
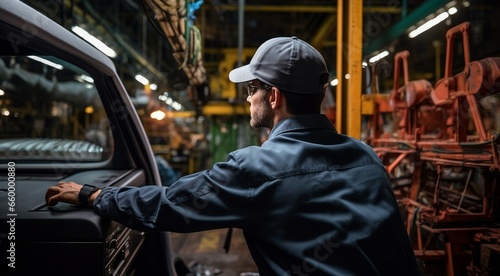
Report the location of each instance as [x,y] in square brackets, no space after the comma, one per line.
[52,201]
[51,195]
[63,192]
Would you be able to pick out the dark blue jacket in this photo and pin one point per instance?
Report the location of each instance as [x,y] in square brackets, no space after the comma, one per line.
[309,200]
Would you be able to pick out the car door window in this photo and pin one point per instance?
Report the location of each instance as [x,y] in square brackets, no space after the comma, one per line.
[50,110]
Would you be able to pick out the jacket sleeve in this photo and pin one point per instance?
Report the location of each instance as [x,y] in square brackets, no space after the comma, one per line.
[216,198]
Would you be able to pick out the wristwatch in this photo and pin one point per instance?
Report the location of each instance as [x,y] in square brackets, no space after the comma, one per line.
[85,193]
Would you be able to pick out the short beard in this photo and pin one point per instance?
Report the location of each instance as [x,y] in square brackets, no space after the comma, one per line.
[263,117]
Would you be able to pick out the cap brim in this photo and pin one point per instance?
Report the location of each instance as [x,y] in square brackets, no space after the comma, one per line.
[241,74]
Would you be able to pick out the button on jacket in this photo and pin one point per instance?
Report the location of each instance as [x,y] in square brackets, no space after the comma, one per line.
[309,200]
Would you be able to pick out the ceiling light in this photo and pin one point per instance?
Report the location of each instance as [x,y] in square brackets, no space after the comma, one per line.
[429,24]
[141,79]
[89,109]
[379,56]
[334,82]
[158,115]
[169,101]
[177,106]
[86,78]
[47,62]
[5,112]
[94,41]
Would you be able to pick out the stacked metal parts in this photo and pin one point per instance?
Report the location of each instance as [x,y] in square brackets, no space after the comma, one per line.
[443,155]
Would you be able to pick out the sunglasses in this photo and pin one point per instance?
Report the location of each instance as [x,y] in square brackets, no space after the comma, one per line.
[252,89]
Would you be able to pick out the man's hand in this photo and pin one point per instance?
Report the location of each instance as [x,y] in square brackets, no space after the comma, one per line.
[63,192]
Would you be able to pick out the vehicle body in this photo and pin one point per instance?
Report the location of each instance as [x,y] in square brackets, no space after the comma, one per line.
[55,126]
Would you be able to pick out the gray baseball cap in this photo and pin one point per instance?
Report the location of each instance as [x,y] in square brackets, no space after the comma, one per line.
[288,63]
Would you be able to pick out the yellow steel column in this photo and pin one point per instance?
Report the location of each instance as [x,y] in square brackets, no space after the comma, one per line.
[349,70]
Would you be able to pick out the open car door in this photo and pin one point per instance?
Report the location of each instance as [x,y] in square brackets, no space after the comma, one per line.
[66,116]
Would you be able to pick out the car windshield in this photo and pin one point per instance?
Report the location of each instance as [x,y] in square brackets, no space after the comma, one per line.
[50,110]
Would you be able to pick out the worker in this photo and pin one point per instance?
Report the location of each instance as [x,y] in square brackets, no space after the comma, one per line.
[310,201]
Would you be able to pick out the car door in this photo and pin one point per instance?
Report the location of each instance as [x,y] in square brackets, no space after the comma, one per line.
[66,116]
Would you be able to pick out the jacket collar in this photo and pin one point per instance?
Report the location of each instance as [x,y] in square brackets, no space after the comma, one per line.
[302,122]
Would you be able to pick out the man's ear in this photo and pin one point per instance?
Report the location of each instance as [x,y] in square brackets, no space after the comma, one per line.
[275,97]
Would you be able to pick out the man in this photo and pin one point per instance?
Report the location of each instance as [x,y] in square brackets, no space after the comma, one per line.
[309,200]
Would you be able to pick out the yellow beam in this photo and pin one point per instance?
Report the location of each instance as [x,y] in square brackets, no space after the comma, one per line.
[183,114]
[349,70]
[225,108]
[324,31]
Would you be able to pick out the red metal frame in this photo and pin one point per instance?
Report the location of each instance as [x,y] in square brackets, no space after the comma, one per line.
[438,160]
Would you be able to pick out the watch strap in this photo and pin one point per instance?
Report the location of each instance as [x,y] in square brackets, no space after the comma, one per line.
[85,193]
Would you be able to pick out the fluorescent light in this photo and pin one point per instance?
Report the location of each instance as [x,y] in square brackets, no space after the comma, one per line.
[86,78]
[94,41]
[334,82]
[452,10]
[47,62]
[379,56]
[141,79]
[169,101]
[177,106]
[429,24]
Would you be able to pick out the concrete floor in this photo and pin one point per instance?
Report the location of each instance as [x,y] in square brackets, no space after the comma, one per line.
[204,252]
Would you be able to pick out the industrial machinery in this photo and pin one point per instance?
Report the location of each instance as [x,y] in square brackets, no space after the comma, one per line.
[442,152]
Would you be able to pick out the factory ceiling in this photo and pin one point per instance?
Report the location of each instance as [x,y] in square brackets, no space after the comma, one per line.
[176,45]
